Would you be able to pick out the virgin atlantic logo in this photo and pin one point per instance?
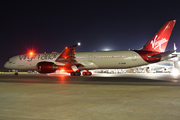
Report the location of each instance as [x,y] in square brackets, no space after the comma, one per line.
[157,43]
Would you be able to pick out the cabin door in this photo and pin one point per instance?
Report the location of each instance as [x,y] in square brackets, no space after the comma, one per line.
[134,57]
[90,57]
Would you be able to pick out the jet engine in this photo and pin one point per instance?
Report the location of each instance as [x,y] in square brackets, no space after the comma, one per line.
[46,67]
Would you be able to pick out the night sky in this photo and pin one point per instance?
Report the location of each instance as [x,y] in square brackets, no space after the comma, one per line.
[48,26]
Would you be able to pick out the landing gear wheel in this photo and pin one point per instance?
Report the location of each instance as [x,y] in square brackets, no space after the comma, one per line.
[15,73]
[87,73]
[84,73]
[77,73]
[73,73]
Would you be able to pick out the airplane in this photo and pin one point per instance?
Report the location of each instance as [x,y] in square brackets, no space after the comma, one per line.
[75,62]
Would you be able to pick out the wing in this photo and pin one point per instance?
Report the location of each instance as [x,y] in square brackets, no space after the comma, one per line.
[68,58]
[67,55]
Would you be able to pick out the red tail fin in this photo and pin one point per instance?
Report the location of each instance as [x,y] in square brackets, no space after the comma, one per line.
[159,41]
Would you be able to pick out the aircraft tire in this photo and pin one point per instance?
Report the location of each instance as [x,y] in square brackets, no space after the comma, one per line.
[84,73]
[89,73]
[16,73]
[78,74]
[73,73]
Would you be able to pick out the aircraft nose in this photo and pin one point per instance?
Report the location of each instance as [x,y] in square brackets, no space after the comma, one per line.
[6,65]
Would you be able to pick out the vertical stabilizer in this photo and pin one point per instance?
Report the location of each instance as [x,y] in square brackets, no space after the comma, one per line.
[160,39]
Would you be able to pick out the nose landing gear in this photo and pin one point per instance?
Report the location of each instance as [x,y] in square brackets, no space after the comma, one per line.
[16,72]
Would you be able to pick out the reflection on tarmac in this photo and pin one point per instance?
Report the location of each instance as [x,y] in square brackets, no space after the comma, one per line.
[100,96]
[112,79]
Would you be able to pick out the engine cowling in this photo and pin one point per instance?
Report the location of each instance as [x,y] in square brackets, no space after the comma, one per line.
[46,67]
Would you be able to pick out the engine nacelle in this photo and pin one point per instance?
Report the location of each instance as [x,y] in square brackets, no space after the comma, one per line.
[46,67]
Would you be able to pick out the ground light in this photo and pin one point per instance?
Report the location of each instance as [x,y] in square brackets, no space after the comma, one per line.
[175,72]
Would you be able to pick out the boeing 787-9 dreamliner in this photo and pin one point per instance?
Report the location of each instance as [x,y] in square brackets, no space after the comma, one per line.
[74,62]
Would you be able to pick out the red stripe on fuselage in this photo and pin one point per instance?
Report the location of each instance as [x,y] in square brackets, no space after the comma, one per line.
[146,56]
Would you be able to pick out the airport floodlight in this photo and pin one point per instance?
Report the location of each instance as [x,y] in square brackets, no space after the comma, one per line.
[79,43]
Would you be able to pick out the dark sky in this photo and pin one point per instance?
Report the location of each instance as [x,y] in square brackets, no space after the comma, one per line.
[48,26]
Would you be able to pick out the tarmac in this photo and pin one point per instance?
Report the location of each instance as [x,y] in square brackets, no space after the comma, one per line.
[97,97]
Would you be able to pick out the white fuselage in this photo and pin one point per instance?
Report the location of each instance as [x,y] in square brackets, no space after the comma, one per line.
[89,60]
[109,59]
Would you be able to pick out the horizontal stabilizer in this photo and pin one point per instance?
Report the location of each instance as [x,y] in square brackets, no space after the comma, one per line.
[163,54]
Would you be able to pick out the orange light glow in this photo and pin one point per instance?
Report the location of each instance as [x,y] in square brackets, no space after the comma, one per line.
[62,70]
[66,47]
[31,53]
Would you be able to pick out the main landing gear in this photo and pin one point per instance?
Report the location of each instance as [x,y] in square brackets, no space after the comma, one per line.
[78,73]
[87,73]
